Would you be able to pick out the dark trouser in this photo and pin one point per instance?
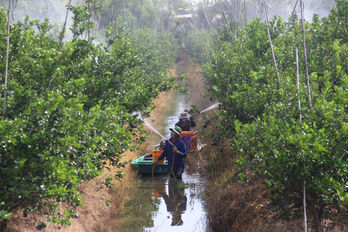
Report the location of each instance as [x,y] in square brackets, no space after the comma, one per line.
[177,172]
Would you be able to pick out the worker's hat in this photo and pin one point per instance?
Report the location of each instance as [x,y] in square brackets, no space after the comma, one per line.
[176,129]
[183,115]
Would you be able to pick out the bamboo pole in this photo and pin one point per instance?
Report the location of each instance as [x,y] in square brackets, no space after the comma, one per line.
[162,15]
[271,44]
[309,98]
[293,11]
[235,18]
[299,109]
[298,84]
[223,12]
[7,55]
[245,14]
[64,26]
[304,206]
[89,20]
[205,15]
[259,13]
[239,10]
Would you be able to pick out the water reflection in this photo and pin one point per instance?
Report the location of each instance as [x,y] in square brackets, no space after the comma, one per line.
[175,200]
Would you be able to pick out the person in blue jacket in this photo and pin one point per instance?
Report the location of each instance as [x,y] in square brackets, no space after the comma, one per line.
[175,152]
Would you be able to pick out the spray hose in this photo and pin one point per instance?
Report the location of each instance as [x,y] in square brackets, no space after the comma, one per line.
[171,170]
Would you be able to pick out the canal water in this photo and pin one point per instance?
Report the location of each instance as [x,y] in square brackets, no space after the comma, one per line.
[161,203]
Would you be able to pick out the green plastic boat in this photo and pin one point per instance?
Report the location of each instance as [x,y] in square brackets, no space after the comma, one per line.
[144,166]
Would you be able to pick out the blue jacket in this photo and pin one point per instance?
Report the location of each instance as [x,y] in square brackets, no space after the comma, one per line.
[179,158]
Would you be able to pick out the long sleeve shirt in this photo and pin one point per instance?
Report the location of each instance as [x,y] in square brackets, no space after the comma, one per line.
[185,125]
[179,158]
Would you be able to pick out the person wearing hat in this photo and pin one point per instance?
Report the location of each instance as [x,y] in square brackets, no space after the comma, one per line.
[175,152]
[185,122]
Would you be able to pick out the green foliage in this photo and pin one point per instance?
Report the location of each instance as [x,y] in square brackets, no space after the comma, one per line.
[69,111]
[162,44]
[4,215]
[108,182]
[132,13]
[80,20]
[262,120]
[199,45]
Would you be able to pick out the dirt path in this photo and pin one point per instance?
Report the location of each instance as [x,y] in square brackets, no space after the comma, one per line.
[101,204]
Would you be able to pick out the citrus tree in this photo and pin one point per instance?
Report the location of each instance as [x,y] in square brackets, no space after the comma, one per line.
[262,118]
[70,111]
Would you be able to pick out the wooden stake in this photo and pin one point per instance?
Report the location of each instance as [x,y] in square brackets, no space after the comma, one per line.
[7,54]
[271,44]
[309,98]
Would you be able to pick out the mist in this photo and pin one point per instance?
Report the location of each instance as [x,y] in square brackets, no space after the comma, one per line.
[284,8]
[53,10]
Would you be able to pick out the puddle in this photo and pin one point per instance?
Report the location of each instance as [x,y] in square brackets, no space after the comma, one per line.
[161,203]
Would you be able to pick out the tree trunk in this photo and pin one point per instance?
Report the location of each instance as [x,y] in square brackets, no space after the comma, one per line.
[7,54]
[3,226]
[317,220]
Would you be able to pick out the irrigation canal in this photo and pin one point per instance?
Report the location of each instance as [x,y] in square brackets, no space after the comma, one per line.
[161,203]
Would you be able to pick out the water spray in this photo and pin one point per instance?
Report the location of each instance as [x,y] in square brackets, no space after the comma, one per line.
[216,105]
[152,128]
